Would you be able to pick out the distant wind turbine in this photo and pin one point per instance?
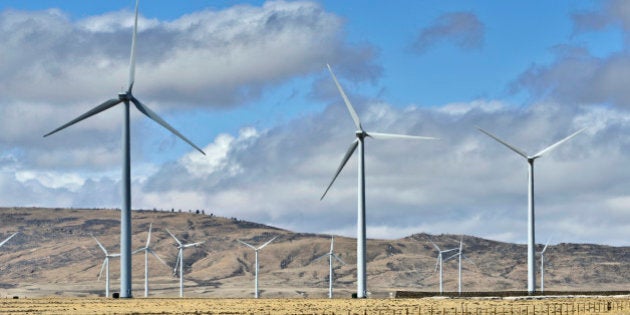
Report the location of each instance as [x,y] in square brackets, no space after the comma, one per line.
[330,256]
[256,249]
[531,244]
[460,255]
[358,142]
[105,265]
[8,238]
[542,266]
[180,260]
[148,250]
[439,262]
[126,98]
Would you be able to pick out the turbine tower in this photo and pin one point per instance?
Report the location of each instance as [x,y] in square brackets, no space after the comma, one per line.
[542,267]
[531,243]
[358,142]
[439,262]
[256,249]
[330,256]
[8,238]
[105,265]
[180,260]
[148,250]
[125,214]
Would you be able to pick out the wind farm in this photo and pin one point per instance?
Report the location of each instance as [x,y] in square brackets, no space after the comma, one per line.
[251,193]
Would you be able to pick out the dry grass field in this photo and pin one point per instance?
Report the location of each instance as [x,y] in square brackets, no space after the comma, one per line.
[549,305]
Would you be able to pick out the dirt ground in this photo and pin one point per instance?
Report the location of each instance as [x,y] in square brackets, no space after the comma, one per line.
[525,305]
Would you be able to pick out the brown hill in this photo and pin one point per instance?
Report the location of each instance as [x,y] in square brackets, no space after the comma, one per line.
[54,255]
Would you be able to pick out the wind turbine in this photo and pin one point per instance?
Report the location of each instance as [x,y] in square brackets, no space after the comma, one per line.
[531,255]
[460,255]
[542,266]
[8,238]
[105,265]
[180,260]
[439,261]
[330,256]
[125,215]
[256,249]
[358,142]
[148,250]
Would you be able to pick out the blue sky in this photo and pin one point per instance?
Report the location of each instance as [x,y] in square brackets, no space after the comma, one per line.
[247,81]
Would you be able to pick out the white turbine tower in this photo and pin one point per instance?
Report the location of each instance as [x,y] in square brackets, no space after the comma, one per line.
[148,250]
[330,256]
[460,255]
[440,260]
[531,243]
[256,249]
[105,265]
[358,142]
[180,260]
[125,214]
[8,238]
[542,267]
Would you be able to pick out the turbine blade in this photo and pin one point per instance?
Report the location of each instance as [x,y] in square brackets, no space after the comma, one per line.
[149,113]
[461,244]
[379,135]
[435,245]
[345,159]
[149,236]
[250,246]
[138,250]
[320,257]
[437,263]
[156,256]
[91,112]
[555,145]
[511,147]
[268,242]
[176,240]
[193,244]
[100,245]
[542,252]
[8,238]
[132,58]
[179,255]
[353,113]
[102,267]
[339,259]
[451,257]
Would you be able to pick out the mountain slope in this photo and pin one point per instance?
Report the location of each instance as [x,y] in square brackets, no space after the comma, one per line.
[55,254]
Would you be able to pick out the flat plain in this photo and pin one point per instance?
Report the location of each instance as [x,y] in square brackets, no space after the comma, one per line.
[524,305]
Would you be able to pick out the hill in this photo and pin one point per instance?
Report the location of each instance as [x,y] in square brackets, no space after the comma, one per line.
[54,254]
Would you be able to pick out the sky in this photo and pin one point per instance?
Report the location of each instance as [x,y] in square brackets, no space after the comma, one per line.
[247,82]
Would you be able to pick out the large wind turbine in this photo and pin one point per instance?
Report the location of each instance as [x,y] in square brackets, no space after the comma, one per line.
[531,244]
[125,215]
[256,249]
[105,265]
[542,267]
[148,250]
[358,142]
[439,262]
[180,260]
[330,256]
[8,238]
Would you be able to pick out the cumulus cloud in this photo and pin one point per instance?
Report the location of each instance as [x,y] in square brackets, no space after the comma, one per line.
[464,183]
[207,58]
[462,29]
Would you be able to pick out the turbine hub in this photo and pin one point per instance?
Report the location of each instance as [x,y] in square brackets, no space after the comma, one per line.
[360,134]
[124,96]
